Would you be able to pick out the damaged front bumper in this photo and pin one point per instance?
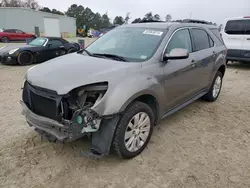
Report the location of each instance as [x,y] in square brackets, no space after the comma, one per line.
[101,140]
[66,132]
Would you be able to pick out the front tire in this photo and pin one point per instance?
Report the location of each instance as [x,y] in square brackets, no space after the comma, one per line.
[134,130]
[5,40]
[25,58]
[215,88]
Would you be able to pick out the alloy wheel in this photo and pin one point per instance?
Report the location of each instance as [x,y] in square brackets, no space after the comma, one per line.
[137,132]
[217,87]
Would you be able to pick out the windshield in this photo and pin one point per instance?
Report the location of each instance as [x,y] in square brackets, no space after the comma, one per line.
[38,42]
[134,44]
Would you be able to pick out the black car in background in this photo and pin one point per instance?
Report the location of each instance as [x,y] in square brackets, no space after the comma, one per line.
[37,51]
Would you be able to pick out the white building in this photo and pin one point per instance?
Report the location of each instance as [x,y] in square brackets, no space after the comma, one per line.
[40,23]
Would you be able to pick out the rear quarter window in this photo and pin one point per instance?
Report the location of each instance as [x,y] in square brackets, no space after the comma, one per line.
[218,35]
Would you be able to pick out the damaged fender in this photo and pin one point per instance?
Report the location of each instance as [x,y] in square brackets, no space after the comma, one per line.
[119,96]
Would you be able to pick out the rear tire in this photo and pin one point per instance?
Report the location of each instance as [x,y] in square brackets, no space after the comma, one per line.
[25,58]
[215,88]
[134,130]
[72,50]
[32,38]
[5,40]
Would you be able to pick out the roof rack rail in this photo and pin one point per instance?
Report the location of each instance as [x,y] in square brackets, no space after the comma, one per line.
[144,20]
[194,21]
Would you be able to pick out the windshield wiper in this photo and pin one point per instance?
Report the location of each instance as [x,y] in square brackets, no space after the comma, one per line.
[112,56]
[87,52]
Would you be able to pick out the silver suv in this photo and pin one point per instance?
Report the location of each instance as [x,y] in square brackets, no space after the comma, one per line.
[118,88]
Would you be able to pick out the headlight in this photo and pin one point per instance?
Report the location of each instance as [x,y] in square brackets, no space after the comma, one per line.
[24,80]
[88,96]
[13,51]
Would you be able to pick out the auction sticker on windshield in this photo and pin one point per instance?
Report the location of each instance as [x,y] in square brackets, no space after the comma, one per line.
[151,32]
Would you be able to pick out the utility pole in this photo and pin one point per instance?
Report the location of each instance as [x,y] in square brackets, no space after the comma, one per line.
[190,15]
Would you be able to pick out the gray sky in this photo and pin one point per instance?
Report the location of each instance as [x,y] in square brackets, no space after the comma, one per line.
[210,10]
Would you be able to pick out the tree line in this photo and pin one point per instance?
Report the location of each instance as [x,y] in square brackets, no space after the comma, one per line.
[84,15]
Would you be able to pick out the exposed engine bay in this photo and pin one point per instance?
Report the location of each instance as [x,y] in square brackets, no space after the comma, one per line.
[77,106]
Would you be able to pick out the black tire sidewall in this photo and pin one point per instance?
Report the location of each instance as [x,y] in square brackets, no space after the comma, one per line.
[21,63]
[118,141]
[71,50]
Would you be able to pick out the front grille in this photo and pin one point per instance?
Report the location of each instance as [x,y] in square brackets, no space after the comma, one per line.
[43,106]
[39,104]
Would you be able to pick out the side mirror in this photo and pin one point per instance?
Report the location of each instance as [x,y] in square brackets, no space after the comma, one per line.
[176,53]
[49,45]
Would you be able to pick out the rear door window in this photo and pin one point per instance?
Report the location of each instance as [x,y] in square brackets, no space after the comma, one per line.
[235,27]
[201,40]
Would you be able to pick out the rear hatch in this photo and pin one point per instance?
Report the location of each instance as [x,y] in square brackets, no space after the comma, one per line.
[236,36]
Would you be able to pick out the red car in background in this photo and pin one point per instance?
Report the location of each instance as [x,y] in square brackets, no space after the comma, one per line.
[7,35]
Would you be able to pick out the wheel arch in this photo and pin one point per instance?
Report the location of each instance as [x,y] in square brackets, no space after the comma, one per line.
[222,69]
[152,102]
[5,37]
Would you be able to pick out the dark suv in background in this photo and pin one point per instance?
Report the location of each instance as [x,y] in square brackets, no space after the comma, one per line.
[121,85]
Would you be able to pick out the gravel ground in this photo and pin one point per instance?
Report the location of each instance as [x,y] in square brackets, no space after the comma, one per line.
[203,145]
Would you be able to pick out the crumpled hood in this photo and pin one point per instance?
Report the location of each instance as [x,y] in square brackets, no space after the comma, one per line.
[68,72]
[11,47]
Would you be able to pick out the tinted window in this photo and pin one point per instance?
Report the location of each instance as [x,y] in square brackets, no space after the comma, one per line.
[235,27]
[9,31]
[64,41]
[55,43]
[181,39]
[201,40]
[217,34]
[248,27]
